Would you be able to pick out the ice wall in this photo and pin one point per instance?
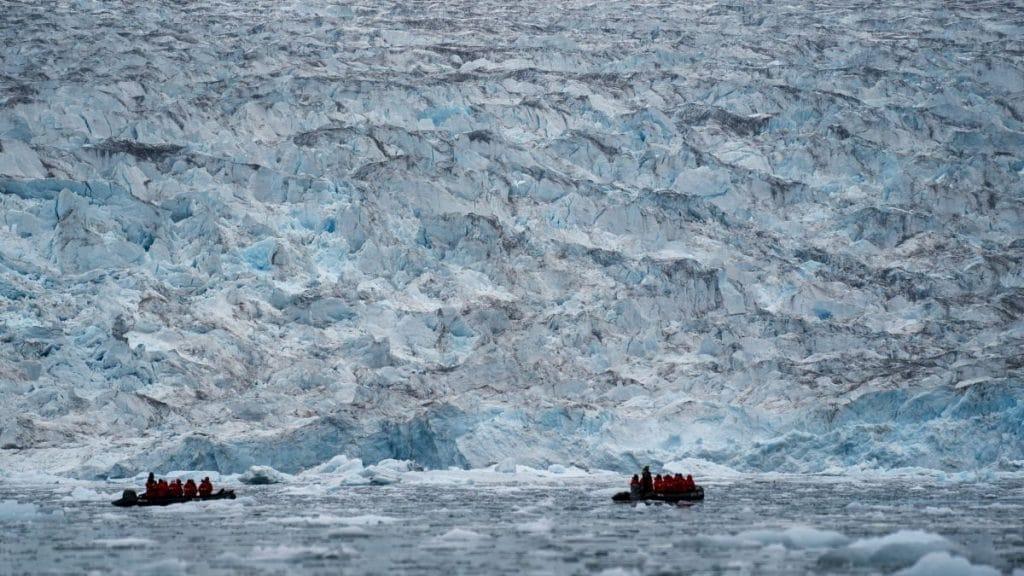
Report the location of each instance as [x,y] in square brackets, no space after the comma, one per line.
[777,237]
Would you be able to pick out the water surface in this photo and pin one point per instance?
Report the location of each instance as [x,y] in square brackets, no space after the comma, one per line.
[507,529]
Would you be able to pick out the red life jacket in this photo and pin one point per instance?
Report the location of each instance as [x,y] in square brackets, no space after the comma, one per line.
[690,484]
[205,488]
[162,489]
[190,489]
[659,483]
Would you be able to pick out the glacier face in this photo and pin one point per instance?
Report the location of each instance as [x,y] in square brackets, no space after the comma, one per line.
[776,237]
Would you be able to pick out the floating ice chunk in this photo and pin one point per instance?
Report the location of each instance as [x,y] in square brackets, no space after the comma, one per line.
[288,553]
[457,538]
[506,466]
[264,475]
[902,538]
[330,520]
[81,493]
[557,469]
[538,526]
[350,471]
[796,538]
[167,567]
[368,520]
[318,520]
[897,550]
[348,532]
[386,471]
[721,540]
[942,564]
[618,571]
[340,465]
[124,542]
[12,510]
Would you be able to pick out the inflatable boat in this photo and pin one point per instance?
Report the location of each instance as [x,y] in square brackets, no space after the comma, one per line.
[695,495]
[129,498]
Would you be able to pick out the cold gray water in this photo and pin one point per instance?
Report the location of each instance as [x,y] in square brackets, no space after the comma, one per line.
[743,527]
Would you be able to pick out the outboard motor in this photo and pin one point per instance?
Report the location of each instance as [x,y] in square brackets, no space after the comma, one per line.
[128,498]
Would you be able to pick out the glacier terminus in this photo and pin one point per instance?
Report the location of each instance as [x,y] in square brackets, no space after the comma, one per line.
[769,237]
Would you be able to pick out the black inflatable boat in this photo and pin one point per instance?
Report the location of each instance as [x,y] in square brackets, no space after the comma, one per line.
[129,498]
[672,497]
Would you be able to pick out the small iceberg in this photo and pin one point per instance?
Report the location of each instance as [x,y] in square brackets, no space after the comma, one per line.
[261,475]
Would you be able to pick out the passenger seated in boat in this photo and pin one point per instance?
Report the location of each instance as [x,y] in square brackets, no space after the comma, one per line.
[162,489]
[680,483]
[175,490]
[190,488]
[690,484]
[205,487]
[646,483]
[659,483]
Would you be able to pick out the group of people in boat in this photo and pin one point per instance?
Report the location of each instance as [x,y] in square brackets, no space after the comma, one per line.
[643,483]
[162,489]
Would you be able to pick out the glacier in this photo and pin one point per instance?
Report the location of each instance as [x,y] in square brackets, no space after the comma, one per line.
[769,237]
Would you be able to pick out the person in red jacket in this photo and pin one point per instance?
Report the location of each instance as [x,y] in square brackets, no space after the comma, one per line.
[190,488]
[690,484]
[205,487]
[175,489]
[680,483]
[162,489]
[659,484]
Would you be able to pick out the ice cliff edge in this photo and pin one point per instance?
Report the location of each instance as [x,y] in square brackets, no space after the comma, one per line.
[772,237]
